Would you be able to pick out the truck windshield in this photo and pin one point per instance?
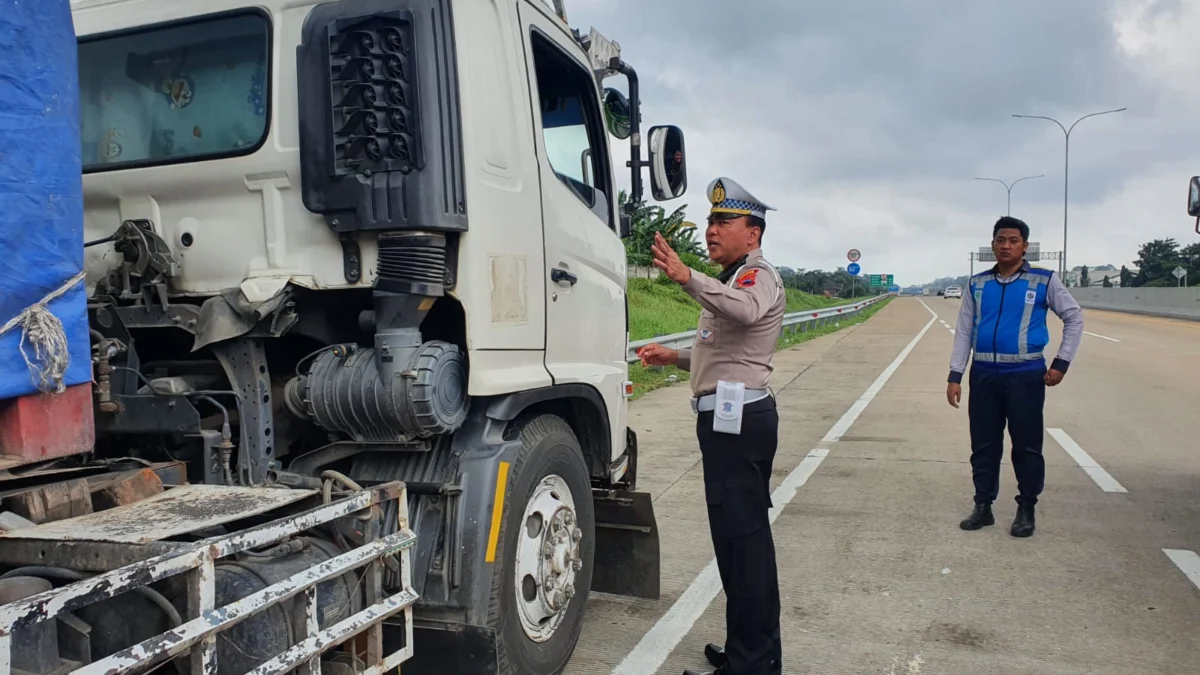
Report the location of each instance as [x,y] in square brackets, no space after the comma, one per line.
[175,92]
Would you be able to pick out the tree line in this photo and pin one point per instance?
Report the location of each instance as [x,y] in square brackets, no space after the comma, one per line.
[1156,262]
[683,236]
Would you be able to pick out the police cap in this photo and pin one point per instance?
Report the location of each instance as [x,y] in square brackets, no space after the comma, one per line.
[730,199]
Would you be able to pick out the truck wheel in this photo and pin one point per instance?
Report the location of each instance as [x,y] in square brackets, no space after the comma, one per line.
[544,562]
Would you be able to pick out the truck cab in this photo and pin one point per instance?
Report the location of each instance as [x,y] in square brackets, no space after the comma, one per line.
[381,241]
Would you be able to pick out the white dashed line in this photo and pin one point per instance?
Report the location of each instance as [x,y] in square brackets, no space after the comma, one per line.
[1085,462]
[1187,562]
[657,644]
[1102,337]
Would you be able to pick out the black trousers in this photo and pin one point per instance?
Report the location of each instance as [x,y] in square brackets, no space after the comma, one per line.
[1015,398]
[737,475]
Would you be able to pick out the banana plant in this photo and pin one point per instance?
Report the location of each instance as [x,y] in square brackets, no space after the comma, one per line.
[651,219]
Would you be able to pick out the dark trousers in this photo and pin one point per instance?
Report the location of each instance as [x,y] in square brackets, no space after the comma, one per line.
[737,475]
[997,397]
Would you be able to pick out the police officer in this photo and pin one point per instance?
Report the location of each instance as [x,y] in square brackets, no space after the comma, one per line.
[1003,320]
[740,322]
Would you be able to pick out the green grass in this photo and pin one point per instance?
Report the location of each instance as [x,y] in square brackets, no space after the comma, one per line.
[657,308]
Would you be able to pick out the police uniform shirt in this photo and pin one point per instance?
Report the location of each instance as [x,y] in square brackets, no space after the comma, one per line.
[738,328]
[741,318]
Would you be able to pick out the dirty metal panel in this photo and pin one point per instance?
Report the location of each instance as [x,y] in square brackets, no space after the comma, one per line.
[174,512]
[174,642]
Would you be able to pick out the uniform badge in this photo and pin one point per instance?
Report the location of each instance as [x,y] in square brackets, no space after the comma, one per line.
[718,193]
[706,335]
[747,279]
[1030,297]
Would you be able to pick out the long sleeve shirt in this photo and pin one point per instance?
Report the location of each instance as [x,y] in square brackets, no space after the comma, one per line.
[1059,300]
[740,322]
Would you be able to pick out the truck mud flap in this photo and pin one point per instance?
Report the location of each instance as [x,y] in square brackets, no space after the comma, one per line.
[627,560]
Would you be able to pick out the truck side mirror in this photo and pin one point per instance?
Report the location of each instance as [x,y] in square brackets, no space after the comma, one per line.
[1194,197]
[668,163]
[617,114]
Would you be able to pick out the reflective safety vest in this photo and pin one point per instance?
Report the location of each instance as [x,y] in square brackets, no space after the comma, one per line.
[1010,319]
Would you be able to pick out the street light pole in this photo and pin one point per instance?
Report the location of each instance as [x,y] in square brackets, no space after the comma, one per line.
[1010,187]
[1066,172]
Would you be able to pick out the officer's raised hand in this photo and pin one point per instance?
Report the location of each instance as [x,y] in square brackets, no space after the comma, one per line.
[667,260]
[658,355]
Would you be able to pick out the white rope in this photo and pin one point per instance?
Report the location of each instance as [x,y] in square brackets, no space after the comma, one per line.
[45,332]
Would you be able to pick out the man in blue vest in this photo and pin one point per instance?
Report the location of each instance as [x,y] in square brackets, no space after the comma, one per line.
[1003,320]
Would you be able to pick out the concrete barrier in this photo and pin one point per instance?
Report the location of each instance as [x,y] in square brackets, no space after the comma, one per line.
[1179,303]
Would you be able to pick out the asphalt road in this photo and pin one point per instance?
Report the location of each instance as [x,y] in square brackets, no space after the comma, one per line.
[871,479]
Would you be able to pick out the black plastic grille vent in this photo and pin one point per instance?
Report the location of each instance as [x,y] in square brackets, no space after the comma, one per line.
[412,263]
[374,95]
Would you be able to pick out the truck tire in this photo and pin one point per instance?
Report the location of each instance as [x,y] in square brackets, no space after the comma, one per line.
[545,548]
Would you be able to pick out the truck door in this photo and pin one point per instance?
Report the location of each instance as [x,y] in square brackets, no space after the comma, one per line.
[585,258]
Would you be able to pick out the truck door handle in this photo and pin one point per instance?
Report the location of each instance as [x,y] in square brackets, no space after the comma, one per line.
[558,275]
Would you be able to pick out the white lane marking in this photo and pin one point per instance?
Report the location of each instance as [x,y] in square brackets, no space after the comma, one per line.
[1187,562]
[1085,462]
[1102,337]
[661,640]
[935,314]
[657,644]
[843,425]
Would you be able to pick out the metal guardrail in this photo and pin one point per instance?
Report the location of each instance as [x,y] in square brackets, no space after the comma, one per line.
[795,321]
[195,638]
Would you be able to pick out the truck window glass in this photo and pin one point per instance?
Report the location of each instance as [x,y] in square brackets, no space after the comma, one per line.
[572,125]
[175,93]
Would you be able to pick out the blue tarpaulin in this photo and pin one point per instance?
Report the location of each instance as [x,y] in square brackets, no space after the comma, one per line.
[41,204]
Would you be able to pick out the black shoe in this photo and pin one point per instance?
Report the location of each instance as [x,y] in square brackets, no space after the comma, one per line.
[718,671]
[1023,524]
[715,654]
[980,517]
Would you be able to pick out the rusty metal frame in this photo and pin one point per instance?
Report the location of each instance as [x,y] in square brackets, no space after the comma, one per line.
[196,637]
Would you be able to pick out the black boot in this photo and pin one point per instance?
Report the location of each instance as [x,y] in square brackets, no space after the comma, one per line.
[980,517]
[1023,524]
[715,654]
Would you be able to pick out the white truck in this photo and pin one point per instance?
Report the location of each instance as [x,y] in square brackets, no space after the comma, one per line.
[356,291]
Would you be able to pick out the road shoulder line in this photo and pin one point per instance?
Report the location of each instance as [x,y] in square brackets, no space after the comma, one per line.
[657,644]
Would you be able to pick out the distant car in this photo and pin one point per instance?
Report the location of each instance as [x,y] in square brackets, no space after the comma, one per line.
[954,292]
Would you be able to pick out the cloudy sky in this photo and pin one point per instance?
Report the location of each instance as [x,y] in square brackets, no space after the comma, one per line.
[864,122]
